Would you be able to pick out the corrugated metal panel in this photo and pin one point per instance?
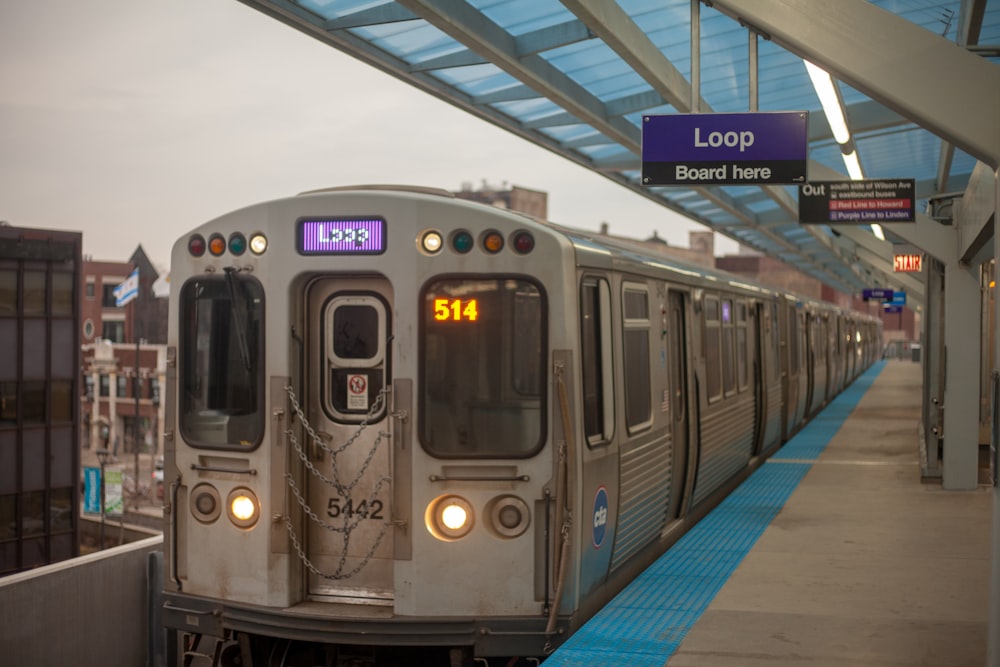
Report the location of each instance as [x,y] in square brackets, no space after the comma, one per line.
[643,512]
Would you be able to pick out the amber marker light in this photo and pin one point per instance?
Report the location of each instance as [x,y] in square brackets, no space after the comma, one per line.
[243,508]
[492,242]
[216,244]
[258,244]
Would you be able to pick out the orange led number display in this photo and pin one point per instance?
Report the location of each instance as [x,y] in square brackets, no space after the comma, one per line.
[455,310]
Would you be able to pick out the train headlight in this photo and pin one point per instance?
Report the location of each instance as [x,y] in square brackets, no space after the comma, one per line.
[258,244]
[243,507]
[206,505]
[509,516]
[449,518]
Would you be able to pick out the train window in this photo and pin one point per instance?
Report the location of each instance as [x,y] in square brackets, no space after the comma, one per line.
[483,352]
[221,353]
[713,367]
[595,353]
[638,404]
[728,361]
[742,376]
[354,335]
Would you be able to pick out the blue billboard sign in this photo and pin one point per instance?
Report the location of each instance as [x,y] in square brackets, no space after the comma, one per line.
[725,148]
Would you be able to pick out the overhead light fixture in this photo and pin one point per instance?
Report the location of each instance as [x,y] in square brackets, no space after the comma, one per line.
[830,101]
[853,165]
[877,231]
[829,98]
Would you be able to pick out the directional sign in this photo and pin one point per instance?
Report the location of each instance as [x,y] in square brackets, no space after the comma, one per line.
[876,293]
[908,263]
[725,148]
[857,202]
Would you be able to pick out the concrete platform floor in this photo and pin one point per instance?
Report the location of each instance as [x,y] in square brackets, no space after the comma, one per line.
[865,565]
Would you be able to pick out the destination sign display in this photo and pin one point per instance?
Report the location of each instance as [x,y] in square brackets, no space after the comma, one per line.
[341,236]
[725,148]
[857,202]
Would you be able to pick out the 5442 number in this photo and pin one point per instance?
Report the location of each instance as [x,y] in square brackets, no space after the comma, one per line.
[337,507]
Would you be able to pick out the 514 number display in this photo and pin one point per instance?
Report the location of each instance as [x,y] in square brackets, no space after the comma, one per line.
[456,310]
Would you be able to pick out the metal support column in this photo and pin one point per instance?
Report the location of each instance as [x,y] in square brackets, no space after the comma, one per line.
[993,629]
[960,467]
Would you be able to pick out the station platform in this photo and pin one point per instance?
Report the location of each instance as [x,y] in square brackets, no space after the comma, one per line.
[833,553]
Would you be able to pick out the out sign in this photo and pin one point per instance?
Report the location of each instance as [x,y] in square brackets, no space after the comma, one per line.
[911,263]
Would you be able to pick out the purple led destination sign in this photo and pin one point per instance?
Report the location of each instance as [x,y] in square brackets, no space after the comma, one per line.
[342,236]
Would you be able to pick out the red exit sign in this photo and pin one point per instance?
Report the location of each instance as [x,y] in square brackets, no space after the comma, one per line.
[912,263]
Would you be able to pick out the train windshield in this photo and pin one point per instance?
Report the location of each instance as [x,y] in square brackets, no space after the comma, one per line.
[221,361]
[483,378]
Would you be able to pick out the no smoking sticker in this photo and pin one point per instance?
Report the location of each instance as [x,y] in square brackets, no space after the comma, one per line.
[357,392]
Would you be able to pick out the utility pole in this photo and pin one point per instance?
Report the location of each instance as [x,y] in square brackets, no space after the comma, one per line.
[135,379]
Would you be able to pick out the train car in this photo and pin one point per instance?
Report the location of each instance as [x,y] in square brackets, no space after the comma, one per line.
[401,424]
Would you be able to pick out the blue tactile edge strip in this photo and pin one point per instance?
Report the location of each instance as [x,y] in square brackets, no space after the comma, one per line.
[645,623]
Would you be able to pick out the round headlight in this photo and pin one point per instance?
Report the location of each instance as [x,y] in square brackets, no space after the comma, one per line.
[509,516]
[243,507]
[449,518]
[206,505]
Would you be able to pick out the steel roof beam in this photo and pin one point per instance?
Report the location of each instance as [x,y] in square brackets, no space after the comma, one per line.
[890,60]
[389,13]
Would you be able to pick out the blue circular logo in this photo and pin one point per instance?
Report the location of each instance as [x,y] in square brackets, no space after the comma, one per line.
[600,516]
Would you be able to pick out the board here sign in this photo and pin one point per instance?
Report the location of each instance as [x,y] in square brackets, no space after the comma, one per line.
[725,148]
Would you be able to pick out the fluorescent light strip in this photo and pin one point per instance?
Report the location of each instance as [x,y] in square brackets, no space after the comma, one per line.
[831,102]
[853,166]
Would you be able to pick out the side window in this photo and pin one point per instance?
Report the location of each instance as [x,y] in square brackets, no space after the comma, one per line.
[713,367]
[742,372]
[728,360]
[635,338]
[595,341]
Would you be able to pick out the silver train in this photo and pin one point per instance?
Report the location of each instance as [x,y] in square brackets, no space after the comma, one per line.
[403,427]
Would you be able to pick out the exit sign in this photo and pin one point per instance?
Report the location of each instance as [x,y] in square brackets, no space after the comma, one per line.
[911,263]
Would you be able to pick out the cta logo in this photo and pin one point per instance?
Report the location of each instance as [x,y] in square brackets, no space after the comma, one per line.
[600,516]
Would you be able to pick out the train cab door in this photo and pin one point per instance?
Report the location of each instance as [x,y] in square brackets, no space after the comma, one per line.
[348,549]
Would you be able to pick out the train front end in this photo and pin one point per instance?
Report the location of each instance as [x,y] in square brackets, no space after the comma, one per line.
[360,424]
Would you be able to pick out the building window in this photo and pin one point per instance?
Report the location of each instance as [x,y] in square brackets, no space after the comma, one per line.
[34,293]
[62,294]
[114,331]
[105,385]
[91,288]
[8,293]
[108,295]
[121,390]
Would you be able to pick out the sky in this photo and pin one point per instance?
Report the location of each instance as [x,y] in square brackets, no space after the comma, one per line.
[136,121]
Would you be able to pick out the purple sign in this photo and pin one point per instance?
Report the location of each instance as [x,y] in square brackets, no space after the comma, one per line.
[876,293]
[342,236]
[725,148]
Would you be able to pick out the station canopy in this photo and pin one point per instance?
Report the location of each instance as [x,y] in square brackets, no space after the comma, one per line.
[578,76]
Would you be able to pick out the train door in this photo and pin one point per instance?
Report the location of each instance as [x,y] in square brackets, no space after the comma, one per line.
[679,391]
[348,550]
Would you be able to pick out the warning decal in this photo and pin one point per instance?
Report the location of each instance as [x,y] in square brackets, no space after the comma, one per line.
[357,392]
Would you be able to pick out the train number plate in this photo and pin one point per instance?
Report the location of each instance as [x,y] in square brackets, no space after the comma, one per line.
[338,507]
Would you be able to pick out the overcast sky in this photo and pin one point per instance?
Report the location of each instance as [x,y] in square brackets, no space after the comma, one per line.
[135,121]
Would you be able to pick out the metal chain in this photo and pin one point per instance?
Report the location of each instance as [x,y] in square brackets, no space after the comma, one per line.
[343,490]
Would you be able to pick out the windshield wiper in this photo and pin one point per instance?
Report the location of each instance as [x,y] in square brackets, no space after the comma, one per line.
[239,315]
